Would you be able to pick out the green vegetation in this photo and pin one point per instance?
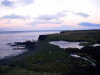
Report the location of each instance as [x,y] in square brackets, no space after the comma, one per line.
[87,36]
[52,60]
[49,53]
[86,44]
[4,70]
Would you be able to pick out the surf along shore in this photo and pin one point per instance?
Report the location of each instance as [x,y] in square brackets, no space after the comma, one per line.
[42,56]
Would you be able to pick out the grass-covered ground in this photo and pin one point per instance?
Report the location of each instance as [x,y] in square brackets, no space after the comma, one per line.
[78,35]
[52,60]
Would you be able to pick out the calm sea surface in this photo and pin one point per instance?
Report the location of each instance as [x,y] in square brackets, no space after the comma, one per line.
[17,36]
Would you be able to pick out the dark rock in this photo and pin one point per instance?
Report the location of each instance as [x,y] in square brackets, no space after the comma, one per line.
[42,37]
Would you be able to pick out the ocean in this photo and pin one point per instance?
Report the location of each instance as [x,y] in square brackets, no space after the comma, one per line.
[17,36]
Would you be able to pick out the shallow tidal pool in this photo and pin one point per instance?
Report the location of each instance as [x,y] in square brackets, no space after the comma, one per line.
[66,44]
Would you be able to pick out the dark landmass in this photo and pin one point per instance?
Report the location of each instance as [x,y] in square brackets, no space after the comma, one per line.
[76,35]
[43,37]
[44,57]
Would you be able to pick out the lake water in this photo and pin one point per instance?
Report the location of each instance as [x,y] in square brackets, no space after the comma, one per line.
[17,36]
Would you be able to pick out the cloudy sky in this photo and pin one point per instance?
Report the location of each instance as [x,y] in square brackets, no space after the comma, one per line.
[49,14]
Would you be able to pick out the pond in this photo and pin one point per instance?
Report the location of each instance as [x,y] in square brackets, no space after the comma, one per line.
[66,44]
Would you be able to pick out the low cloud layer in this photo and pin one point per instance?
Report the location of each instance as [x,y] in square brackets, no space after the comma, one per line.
[89,24]
[44,22]
[65,27]
[51,17]
[12,16]
[46,14]
[81,14]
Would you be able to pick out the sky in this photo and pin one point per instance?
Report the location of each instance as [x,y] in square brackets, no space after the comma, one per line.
[17,15]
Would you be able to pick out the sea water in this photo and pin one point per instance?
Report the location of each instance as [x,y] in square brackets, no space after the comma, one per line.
[17,36]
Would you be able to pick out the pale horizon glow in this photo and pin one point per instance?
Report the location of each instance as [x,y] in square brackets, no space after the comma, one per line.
[49,14]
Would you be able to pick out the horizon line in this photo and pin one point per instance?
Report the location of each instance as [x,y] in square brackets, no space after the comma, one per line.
[45,30]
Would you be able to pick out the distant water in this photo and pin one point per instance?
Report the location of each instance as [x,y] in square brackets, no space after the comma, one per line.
[17,36]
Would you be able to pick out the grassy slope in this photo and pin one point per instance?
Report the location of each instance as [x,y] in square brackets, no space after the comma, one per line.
[90,35]
[51,58]
[43,60]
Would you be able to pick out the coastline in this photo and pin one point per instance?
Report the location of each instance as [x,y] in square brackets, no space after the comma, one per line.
[9,60]
[51,58]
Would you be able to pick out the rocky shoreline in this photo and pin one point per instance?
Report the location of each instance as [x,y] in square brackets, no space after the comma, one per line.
[42,56]
[31,47]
